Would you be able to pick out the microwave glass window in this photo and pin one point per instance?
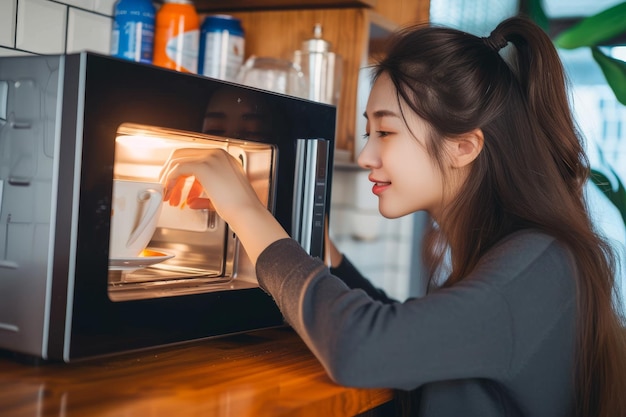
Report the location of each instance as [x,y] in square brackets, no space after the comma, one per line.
[157,250]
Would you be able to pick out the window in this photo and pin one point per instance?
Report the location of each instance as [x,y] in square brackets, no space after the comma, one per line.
[478,17]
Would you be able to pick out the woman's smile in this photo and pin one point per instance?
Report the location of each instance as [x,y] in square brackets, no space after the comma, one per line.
[379,186]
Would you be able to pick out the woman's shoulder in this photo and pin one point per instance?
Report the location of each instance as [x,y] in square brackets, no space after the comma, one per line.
[527,236]
[528,252]
[527,243]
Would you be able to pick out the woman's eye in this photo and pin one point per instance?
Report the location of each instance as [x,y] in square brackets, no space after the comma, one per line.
[379,133]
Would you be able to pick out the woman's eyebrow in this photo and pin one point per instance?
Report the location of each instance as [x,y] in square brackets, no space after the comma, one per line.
[378,114]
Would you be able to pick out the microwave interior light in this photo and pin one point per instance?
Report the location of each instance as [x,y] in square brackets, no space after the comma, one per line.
[141,142]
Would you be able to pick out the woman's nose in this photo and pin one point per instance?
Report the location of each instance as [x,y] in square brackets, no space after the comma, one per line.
[368,158]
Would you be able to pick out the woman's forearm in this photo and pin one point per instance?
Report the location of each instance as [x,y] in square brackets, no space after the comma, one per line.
[256,228]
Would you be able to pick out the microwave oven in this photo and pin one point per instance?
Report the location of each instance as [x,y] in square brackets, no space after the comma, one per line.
[70,126]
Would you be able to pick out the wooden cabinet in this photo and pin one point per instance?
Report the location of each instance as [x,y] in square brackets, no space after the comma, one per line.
[355,28]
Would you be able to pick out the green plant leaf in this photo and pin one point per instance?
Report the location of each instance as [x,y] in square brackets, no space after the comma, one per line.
[614,71]
[534,9]
[616,196]
[594,29]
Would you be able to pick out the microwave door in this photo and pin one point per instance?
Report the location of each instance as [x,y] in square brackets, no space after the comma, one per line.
[310,186]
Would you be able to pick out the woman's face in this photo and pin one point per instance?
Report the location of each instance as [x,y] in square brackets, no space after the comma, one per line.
[404,177]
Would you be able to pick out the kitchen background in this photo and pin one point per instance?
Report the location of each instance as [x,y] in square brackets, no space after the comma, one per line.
[384,248]
[387,249]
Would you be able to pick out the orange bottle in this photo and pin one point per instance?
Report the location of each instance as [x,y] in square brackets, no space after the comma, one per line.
[177,36]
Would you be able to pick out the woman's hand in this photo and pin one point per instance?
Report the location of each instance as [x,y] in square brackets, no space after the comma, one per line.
[229,194]
[216,172]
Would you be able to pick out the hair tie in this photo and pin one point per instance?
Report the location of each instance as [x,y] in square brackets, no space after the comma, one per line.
[495,41]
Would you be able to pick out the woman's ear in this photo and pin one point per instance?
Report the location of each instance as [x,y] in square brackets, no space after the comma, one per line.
[464,149]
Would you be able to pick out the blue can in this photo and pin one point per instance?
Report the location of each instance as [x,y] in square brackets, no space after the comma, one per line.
[221,47]
[132,37]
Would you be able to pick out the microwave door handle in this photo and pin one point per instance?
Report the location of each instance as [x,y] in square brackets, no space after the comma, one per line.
[310,186]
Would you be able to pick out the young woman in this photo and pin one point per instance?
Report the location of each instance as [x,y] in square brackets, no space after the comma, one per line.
[522,318]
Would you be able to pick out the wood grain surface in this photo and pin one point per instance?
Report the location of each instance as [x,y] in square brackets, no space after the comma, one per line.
[263,373]
[221,5]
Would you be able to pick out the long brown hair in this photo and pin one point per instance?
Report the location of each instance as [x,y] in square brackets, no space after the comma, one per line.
[530,174]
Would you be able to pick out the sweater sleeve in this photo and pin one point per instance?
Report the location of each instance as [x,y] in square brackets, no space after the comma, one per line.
[353,279]
[364,342]
[465,331]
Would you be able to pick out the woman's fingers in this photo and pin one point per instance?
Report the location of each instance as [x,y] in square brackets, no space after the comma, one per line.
[194,200]
[195,191]
[201,203]
[174,190]
[175,179]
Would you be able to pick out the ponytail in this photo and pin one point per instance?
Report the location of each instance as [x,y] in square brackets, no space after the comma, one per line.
[541,76]
[600,380]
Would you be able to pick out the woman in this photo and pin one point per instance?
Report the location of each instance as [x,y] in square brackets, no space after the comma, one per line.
[520,319]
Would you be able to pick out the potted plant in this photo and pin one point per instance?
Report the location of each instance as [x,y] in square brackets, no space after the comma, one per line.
[593,32]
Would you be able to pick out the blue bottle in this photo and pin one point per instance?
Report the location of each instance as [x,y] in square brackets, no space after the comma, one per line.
[222,46]
[132,37]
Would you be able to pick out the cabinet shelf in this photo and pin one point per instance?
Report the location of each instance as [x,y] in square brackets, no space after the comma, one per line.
[211,6]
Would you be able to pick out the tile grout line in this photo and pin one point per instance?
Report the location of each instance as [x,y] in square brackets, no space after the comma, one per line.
[17,8]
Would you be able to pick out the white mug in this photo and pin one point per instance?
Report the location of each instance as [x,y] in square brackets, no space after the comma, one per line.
[135,211]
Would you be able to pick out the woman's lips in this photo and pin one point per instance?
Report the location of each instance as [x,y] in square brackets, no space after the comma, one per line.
[379,187]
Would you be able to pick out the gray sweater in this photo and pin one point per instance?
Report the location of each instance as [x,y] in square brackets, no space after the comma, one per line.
[499,343]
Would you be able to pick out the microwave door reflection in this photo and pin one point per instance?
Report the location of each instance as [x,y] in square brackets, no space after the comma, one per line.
[238,114]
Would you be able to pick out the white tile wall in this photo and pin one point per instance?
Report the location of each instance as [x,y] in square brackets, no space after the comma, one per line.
[41,26]
[55,26]
[85,32]
[86,4]
[104,6]
[12,52]
[7,22]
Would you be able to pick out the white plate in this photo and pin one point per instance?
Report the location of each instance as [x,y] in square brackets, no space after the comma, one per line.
[148,257]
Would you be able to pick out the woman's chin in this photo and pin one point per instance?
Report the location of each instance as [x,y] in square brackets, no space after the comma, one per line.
[391,213]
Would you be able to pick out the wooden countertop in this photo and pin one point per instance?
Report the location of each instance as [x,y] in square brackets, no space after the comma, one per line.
[262,373]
